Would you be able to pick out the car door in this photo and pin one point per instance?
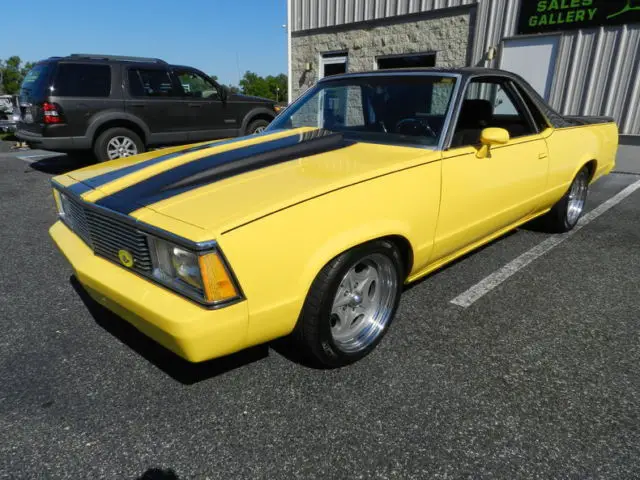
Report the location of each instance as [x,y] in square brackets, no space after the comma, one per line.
[154,97]
[208,114]
[481,196]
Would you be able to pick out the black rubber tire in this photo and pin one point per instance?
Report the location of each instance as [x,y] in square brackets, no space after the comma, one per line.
[256,124]
[556,220]
[100,145]
[312,333]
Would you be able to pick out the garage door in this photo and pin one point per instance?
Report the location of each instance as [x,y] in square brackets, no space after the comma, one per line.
[533,58]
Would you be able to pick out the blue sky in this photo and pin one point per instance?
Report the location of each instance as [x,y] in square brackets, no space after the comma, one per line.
[212,35]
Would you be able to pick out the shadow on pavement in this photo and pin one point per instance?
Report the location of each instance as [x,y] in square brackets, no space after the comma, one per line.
[177,368]
[158,474]
[458,260]
[288,349]
[59,164]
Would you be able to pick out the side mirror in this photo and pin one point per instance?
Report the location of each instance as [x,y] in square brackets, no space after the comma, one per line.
[224,93]
[490,137]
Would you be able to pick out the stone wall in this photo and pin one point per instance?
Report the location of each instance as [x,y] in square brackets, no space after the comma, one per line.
[446,35]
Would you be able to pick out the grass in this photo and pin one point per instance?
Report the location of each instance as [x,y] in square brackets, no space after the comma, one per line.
[8,137]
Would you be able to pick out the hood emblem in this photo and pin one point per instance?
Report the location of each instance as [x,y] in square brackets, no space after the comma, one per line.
[126,258]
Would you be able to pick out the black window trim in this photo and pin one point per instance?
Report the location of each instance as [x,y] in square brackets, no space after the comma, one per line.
[521,92]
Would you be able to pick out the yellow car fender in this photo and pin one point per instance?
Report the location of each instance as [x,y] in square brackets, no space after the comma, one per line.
[276,258]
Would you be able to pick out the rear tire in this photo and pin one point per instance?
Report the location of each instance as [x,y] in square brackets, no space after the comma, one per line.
[116,143]
[350,305]
[257,126]
[565,214]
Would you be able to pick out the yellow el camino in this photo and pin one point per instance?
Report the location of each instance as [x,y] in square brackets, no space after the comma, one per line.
[366,183]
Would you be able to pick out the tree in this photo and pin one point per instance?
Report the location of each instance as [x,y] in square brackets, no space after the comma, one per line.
[271,87]
[12,72]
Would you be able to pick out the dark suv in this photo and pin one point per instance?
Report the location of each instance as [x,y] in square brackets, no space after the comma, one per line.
[120,106]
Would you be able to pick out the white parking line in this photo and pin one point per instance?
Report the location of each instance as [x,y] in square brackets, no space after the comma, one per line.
[32,158]
[483,287]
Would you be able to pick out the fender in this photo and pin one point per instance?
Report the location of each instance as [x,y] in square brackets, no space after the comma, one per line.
[339,244]
[269,321]
[276,258]
[103,117]
[251,114]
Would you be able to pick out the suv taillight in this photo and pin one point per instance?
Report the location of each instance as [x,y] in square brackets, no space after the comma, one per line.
[51,113]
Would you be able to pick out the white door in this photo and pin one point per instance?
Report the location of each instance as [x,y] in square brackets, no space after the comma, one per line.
[533,58]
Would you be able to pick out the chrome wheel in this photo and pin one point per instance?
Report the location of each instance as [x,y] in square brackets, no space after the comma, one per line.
[363,303]
[259,130]
[121,146]
[577,197]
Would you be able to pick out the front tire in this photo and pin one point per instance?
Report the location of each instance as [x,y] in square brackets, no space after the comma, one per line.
[117,143]
[351,304]
[565,214]
[257,126]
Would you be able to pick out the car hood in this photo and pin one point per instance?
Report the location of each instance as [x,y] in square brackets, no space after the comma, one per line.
[219,186]
[250,98]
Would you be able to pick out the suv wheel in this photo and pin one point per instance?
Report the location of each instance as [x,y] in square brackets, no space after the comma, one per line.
[117,143]
[257,126]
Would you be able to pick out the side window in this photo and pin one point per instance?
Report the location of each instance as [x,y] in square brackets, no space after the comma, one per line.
[489,103]
[196,86]
[538,117]
[150,83]
[82,80]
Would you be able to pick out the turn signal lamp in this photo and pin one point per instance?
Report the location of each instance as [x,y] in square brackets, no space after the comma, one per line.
[216,281]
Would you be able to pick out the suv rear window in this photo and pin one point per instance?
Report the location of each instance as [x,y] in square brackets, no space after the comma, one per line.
[82,80]
[35,82]
[150,83]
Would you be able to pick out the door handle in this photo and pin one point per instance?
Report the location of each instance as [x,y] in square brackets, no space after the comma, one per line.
[195,105]
[542,155]
[138,105]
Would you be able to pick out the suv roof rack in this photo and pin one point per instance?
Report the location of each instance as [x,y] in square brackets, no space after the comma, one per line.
[121,58]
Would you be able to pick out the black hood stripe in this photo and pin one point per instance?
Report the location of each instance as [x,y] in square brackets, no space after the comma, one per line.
[92,183]
[79,188]
[223,165]
[105,178]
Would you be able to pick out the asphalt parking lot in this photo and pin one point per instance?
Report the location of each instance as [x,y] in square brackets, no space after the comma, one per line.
[537,378]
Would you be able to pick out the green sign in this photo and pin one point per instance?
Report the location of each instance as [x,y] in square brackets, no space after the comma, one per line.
[537,16]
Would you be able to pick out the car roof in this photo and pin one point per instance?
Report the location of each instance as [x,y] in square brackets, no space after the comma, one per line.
[464,72]
[98,58]
[110,60]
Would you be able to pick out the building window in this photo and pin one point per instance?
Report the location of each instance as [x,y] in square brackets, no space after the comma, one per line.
[333,64]
[413,60]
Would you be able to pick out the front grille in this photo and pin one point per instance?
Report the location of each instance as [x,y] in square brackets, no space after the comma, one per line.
[106,235]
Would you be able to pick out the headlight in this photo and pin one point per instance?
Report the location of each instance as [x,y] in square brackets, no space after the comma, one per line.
[201,276]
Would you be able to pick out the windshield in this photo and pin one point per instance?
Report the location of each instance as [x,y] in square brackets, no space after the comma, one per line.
[378,108]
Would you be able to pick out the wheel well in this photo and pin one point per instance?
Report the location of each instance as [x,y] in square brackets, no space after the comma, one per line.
[120,123]
[592,166]
[259,116]
[406,252]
